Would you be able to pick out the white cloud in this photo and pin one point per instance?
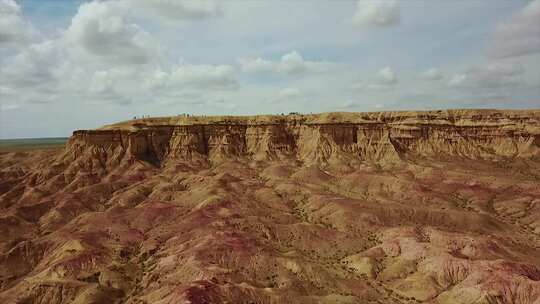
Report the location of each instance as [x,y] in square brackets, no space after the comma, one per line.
[290,93]
[44,72]
[181,9]
[157,79]
[492,76]
[457,80]
[205,76]
[377,13]
[291,63]
[105,80]
[104,57]
[201,77]
[386,76]
[384,80]
[432,74]
[256,65]
[33,67]
[101,29]
[491,81]
[117,85]
[286,96]
[518,36]
[183,83]
[13,28]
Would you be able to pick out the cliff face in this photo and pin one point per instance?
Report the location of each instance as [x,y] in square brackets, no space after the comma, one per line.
[344,139]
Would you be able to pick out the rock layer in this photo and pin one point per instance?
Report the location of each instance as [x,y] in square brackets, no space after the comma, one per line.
[316,139]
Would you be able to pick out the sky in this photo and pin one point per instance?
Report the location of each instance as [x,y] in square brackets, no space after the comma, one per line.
[68,64]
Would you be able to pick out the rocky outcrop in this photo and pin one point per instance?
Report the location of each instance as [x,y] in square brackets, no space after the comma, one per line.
[330,138]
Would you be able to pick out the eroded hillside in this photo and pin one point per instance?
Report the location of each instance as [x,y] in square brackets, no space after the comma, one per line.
[396,207]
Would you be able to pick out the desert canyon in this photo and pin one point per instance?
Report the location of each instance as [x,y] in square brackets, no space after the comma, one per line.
[434,207]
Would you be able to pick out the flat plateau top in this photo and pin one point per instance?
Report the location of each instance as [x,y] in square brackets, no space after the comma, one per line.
[458,117]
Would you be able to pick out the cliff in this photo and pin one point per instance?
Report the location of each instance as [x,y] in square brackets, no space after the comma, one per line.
[339,139]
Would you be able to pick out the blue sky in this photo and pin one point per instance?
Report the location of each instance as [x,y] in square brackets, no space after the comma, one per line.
[67,65]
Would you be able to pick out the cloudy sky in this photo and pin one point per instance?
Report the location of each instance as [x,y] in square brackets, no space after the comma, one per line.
[72,64]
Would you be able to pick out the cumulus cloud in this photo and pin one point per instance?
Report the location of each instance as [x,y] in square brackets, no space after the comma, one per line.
[185,83]
[386,76]
[44,72]
[286,96]
[116,85]
[491,81]
[384,80]
[104,57]
[518,36]
[432,74]
[291,63]
[106,80]
[203,77]
[377,13]
[14,29]
[497,75]
[181,9]
[33,67]
[101,29]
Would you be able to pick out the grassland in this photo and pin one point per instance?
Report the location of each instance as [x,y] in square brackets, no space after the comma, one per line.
[27,144]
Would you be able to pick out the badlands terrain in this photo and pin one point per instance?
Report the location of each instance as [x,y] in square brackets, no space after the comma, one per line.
[389,207]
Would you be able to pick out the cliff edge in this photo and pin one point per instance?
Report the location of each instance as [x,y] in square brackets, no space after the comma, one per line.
[340,139]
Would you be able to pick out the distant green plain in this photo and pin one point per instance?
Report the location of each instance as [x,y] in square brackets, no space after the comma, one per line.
[26,144]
